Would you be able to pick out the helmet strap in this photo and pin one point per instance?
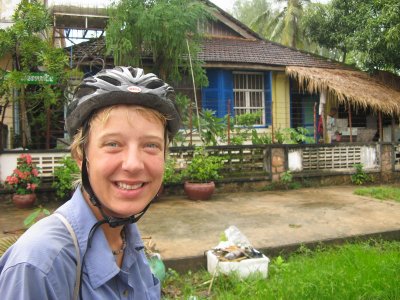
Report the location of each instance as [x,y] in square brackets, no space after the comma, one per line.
[110,220]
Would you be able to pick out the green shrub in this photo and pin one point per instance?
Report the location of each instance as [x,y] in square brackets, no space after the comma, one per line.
[171,174]
[203,167]
[360,177]
[65,176]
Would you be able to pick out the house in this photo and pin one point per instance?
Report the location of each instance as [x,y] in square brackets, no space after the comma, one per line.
[290,88]
[251,74]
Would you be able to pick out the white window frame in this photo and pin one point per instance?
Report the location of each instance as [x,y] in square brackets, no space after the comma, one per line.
[248,90]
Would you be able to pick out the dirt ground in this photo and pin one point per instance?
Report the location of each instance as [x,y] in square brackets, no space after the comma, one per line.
[184,229]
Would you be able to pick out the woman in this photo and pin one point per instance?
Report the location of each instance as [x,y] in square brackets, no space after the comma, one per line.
[121,120]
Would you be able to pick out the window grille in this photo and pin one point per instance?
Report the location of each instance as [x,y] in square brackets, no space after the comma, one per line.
[248,90]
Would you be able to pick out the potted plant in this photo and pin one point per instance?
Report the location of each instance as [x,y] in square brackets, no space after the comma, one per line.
[24,180]
[201,173]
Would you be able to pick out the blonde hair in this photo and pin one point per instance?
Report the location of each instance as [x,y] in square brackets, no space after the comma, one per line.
[81,138]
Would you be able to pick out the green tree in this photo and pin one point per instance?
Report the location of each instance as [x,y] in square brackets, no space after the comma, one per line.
[257,14]
[30,44]
[364,32]
[159,31]
[282,24]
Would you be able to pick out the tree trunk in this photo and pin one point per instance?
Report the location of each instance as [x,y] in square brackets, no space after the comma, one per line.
[25,129]
[48,121]
[3,113]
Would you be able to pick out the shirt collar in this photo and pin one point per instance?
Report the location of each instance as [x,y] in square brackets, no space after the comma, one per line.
[99,262]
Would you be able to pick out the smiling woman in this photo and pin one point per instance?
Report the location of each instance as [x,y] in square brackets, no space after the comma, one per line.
[125,167]
[120,120]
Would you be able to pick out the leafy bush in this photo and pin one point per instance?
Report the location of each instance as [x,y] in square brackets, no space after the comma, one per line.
[171,175]
[65,176]
[203,167]
[293,136]
[260,138]
[286,178]
[360,177]
[241,126]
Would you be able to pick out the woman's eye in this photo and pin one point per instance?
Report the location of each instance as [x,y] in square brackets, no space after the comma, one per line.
[112,144]
[153,146]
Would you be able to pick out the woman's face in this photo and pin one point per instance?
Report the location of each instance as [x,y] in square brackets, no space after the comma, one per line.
[125,160]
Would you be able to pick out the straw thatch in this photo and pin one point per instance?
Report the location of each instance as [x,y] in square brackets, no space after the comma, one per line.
[356,87]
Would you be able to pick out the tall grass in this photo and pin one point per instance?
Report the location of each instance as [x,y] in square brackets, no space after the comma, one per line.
[367,270]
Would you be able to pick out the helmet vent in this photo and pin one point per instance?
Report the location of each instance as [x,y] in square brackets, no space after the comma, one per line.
[110,80]
[155,84]
[84,91]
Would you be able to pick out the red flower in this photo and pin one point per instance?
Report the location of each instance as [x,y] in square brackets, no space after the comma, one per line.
[24,179]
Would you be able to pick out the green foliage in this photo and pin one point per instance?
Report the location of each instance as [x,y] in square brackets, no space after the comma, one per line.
[279,23]
[203,166]
[293,136]
[36,215]
[365,270]
[380,192]
[162,28]
[29,42]
[242,127]
[171,174]
[367,30]
[212,128]
[360,177]
[65,176]
[260,138]
[286,177]
[31,17]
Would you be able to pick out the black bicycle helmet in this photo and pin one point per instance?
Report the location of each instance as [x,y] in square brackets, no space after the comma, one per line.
[122,85]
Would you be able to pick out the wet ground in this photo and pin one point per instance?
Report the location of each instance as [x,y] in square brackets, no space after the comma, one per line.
[183,229]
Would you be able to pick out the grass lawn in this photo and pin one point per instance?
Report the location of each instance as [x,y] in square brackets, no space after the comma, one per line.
[380,192]
[366,270]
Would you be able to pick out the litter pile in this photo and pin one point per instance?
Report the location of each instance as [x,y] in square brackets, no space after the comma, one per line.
[236,254]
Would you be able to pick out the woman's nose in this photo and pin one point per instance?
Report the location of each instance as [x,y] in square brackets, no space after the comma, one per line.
[132,160]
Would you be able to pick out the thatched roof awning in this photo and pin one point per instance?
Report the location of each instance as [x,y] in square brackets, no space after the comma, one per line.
[349,85]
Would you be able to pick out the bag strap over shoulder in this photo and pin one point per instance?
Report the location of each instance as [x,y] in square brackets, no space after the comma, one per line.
[78,256]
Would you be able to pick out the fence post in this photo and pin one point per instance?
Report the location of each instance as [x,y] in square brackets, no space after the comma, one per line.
[277,163]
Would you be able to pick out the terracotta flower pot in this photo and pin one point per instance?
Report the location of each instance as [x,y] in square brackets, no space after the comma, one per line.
[199,191]
[24,201]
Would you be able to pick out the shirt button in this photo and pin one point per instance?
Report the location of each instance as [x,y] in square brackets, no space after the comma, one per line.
[125,293]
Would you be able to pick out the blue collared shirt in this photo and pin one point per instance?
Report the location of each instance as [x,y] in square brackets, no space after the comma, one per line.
[42,263]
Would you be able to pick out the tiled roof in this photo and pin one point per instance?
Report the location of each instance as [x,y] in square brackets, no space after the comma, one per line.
[232,51]
[244,51]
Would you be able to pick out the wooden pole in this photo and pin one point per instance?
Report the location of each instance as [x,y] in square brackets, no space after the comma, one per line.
[350,124]
[272,122]
[393,138]
[48,120]
[315,122]
[190,123]
[380,126]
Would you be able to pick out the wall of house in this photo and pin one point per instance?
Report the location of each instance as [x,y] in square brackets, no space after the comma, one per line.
[280,100]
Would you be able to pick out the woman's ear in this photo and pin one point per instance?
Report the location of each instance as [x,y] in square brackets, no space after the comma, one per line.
[79,163]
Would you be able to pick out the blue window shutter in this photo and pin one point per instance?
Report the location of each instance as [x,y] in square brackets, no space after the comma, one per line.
[226,90]
[220,89]
[268,97]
